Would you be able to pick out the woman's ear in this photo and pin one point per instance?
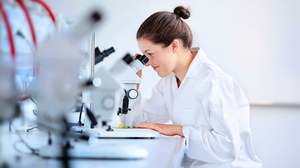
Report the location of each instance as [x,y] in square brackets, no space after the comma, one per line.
[175,45]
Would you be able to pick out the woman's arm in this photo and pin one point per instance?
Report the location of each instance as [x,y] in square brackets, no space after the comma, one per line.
[220,141]
[165,129]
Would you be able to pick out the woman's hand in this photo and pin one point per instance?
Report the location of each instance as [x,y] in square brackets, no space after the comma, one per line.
[165,129]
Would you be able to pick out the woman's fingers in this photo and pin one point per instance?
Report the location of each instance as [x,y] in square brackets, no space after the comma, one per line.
[135,55]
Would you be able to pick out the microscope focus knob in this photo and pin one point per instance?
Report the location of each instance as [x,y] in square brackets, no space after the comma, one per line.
[132,93]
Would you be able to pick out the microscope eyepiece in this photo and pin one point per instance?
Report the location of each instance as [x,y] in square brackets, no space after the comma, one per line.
[99,56]
[143,59]
[139,62]
[127,58]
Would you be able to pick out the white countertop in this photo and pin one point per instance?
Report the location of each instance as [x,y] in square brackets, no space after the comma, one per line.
[163,152]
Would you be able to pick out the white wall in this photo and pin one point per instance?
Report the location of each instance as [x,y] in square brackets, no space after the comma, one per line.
[276,135]
[256,41]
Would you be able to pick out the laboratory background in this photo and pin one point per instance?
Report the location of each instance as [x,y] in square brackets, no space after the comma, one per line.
[255,41]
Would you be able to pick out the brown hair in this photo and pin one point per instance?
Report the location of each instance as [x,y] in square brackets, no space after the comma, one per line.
[163,27]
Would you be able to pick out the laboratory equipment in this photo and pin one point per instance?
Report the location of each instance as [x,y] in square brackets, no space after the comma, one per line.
[104,95]
[57,85]
[25,26]
[8,96]
[129,79]
[8,101]
[121,133]
[15,59]
[99,56]
[117,83]
[106,90]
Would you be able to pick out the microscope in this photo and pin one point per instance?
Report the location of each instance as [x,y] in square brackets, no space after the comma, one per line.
[113,92]
[122,73]
[57,89]
[130,80]
[104,91]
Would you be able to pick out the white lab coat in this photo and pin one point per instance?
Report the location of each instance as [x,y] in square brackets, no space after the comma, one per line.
[212,109]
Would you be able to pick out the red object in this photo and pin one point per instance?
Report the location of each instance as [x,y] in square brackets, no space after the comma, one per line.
[29,21]
[47,8]
[9,31]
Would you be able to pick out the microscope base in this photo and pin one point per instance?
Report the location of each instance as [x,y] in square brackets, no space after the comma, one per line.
[119,133]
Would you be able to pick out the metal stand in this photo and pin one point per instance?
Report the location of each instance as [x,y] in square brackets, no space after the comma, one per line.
[86,96]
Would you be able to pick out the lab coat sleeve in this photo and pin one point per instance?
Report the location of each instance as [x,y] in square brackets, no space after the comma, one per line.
[220,142]
[148,110]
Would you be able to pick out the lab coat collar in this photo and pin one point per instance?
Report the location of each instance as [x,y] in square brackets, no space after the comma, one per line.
[196,64]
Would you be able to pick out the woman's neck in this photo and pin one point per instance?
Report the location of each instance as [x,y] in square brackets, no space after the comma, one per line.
[185,59]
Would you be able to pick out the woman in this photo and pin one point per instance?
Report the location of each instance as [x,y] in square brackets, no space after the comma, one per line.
[205,105]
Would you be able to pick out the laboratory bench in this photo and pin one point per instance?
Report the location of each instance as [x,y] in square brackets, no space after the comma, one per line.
[163,152]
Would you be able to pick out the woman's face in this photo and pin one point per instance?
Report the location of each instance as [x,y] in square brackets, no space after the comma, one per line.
[161,59]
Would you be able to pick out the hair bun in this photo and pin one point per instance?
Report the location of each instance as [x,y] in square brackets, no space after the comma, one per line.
[182,12]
